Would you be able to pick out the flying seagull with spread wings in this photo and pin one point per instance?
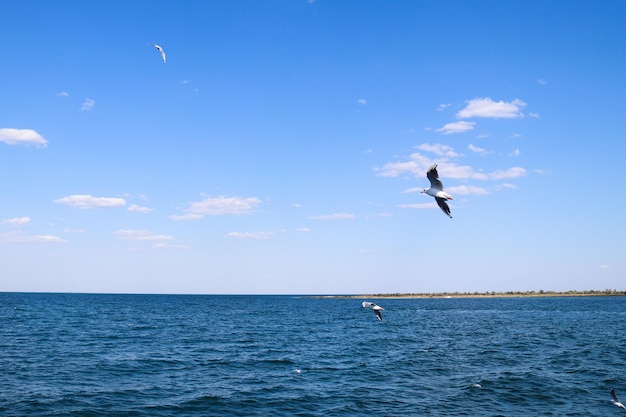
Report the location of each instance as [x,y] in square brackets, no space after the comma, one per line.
[160,50]
[436,190]
[377,309]
[616,400]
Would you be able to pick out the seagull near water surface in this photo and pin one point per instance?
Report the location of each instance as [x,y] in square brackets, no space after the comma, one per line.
[160,50]
[377,309]
[616,400]
[436,190]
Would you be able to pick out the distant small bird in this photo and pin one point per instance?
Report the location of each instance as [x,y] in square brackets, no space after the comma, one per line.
[616,400]
[377,309]
[160,50]
[436,190]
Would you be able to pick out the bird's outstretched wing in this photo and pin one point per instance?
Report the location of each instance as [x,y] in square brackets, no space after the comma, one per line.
[616,400]
[433,177]
[614,395]
[441,202]
[161,51]
[379,315]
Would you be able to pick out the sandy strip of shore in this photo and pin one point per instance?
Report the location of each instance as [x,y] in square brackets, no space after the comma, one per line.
[485,295]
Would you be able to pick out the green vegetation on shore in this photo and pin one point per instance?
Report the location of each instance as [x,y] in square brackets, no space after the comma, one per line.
[492,294]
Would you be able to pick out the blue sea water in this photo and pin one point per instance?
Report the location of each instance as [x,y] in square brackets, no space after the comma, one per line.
[174,355]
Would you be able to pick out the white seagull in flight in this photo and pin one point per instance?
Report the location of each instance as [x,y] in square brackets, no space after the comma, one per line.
[616,400]
[377,309]
[160,50]
[436,190]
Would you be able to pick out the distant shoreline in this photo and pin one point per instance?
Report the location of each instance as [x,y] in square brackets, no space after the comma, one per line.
[508,294]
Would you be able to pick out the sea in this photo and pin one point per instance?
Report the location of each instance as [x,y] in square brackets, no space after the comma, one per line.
[247,355]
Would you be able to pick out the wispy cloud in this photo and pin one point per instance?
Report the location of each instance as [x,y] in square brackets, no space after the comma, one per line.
[218,206]
[142,236]
[156,240]
[486,107]
[74,230]
[456,127]
[438,149]
[85,201]
[419,205]
[17,237]
[442,107]
[480,151]
[362,101]
[467,190]
[139,209]
[22,137]
[419,163]
[63,94]
[510,173]
[334,216]
[251,235]
[303,229]
[16,221]
[88,104]
[506,186]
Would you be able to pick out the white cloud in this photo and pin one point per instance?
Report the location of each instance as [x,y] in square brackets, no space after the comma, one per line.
[542,81]
[13,237]
[89,202]
[88,104]
[22,137]
[63,94]
[334,216]
[442,107]
[486,107]
[467,190]
[251,235]
[362,101]
[419,164]
[506,186]
[456,127]
[516,152]
[139,209]
[514,172]
[438,149]
[217,206]
[303,229]
[384,214]
[142,236]
[480,151]
[16,221]
[419,205]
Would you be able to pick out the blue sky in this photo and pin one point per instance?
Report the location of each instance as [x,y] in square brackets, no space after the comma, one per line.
[282,147]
